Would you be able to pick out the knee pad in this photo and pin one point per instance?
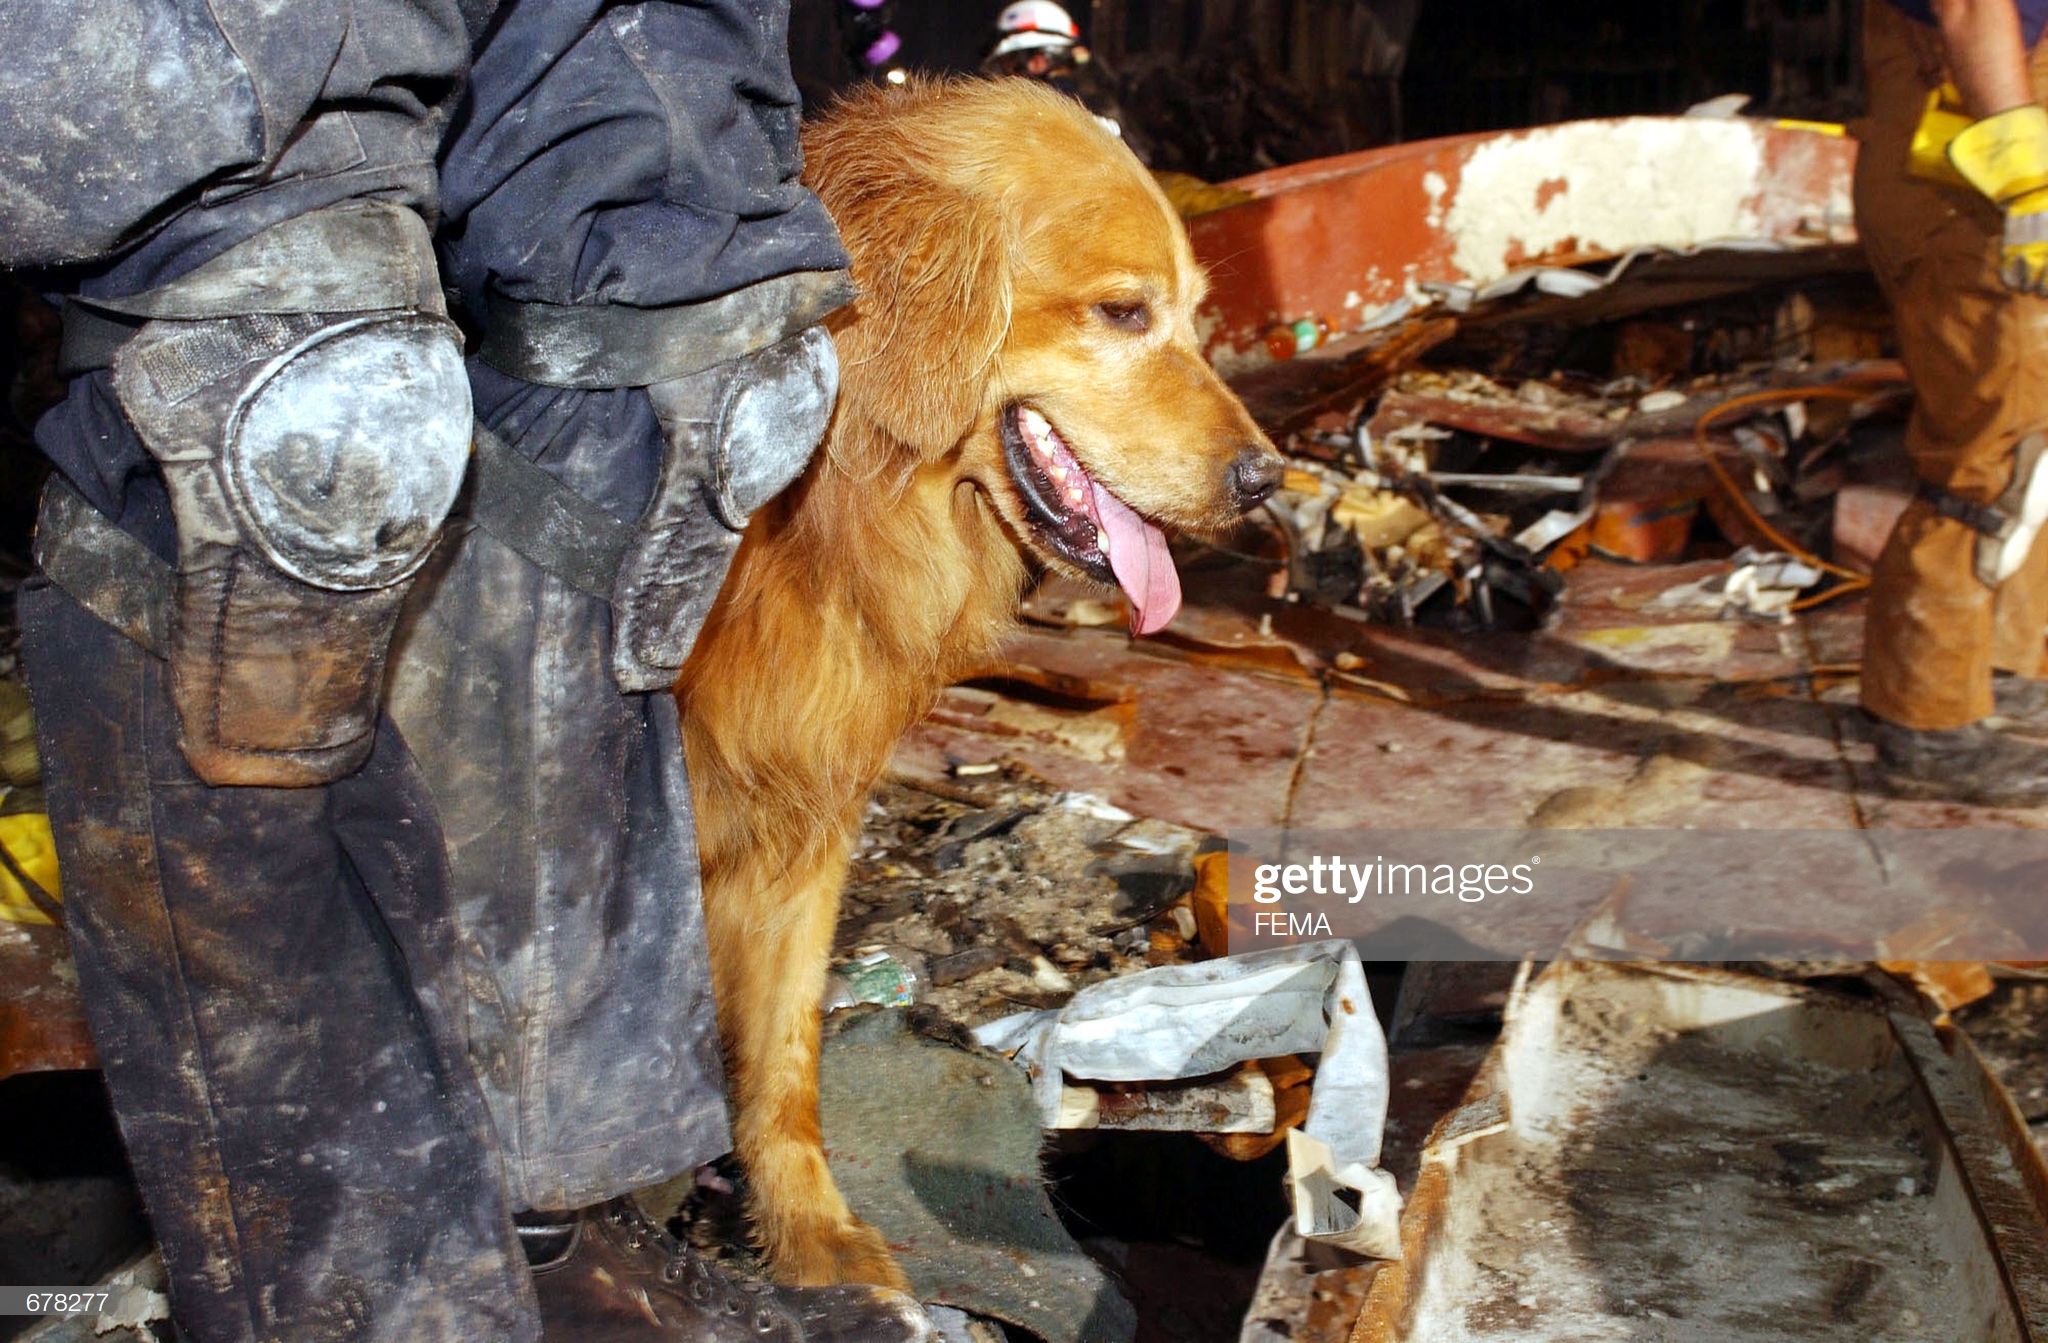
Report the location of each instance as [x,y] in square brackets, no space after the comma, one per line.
[311,459]
[736,435]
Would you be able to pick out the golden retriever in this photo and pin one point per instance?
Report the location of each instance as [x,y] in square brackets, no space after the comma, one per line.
[1021,388]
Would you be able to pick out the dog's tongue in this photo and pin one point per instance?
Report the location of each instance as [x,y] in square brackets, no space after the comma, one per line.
[1144,568]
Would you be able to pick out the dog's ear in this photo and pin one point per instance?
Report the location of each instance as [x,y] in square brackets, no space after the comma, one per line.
[932,262]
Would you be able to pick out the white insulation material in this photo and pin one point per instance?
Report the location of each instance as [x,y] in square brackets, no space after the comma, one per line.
[1603,186]
[1177,1021]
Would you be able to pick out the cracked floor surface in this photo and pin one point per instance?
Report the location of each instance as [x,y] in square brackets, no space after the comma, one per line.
[1250,712]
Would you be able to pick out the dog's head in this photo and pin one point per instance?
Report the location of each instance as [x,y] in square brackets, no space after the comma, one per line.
[1026,323]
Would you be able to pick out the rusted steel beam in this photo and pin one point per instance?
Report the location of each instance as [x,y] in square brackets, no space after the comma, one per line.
[1345,238]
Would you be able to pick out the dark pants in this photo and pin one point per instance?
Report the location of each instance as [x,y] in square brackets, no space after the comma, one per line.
[271,981]
[565,808]
[349,1030]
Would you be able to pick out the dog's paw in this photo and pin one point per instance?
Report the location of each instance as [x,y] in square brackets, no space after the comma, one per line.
[827,1254]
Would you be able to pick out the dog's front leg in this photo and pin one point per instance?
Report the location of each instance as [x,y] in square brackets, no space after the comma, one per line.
[770,947]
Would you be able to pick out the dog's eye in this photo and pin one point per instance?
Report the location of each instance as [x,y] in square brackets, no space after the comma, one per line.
[1126,316]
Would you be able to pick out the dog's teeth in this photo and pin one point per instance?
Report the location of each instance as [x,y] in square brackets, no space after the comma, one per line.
[1076,495]
[1058,472]
[1102,540]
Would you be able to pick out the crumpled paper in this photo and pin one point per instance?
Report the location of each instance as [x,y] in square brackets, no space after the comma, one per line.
[1179,1021]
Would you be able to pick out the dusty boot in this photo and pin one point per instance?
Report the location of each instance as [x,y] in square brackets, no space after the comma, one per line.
[1962,764]
[2019,703]
[609,1275]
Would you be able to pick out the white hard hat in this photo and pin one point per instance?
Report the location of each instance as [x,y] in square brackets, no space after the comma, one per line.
[1031,41]
[1038,16]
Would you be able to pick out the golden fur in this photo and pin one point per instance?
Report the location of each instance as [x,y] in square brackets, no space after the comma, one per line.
[1000,239]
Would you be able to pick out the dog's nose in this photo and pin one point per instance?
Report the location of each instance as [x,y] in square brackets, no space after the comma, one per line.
[1254,475]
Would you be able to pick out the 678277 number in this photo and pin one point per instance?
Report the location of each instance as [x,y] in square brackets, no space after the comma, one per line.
[65,1303]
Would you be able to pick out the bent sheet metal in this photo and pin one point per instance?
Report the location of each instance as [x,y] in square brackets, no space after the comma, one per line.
[1181,1021]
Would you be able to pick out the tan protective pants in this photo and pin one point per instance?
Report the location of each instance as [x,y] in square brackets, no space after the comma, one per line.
[1978,356]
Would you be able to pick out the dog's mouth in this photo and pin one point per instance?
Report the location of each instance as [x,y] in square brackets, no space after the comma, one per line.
[1084,524]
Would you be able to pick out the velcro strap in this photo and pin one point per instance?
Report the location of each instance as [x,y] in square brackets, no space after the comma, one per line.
[104,569]
[544,520]
[91,337]
[2028,227]
[364,256]
[601,345]
[1992,522]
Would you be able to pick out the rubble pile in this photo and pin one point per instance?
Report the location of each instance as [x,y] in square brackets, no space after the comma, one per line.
[1008,896]
[1466,474]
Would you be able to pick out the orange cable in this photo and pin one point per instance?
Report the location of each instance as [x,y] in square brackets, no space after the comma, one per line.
[1851,581]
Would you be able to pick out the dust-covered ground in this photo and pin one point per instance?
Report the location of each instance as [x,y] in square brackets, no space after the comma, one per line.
[1010,896]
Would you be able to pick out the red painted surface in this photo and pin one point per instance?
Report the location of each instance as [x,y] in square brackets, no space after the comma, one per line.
[1341,238]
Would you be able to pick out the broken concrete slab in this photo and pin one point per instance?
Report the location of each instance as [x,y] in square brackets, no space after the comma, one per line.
[1543,416]
[1376,764]
[1834,634]
[936,1145]
[1612,615]
[1864,517]
[1425,667]
[1683,753]
[1722,649]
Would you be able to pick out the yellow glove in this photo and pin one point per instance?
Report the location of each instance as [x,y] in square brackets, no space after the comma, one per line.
[1941,121]
[27,837]
[2006,158]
